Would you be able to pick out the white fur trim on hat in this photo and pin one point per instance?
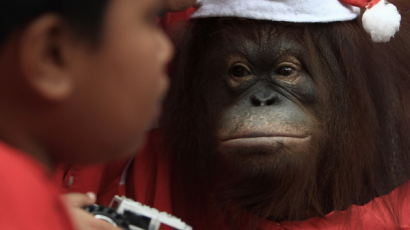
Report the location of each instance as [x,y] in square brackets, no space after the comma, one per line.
[382,21]
[279,10]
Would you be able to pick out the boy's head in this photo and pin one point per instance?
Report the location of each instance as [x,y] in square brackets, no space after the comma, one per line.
[80,81]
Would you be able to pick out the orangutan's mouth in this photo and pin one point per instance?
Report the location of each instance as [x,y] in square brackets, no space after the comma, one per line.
[264,140]
[255,136]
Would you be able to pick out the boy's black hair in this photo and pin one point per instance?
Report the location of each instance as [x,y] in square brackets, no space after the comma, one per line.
[84,16]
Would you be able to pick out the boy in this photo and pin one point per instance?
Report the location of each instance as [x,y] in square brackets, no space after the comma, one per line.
[80,82]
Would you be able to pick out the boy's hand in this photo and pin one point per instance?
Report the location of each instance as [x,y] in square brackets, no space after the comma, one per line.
[175,5]
[81,219]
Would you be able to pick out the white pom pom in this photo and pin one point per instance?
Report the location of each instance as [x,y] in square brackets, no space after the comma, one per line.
[382,21]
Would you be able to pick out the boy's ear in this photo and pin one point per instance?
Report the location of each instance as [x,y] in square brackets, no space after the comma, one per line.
[45,62]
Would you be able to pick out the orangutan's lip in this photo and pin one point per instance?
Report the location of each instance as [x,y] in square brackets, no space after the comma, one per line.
[271,142]
[266,136]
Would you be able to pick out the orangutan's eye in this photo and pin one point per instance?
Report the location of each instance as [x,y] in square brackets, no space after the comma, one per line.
[286,71]
[239,70]
[239,74]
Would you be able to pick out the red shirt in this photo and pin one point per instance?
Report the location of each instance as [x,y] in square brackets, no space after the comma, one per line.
[147,181]
[28,198]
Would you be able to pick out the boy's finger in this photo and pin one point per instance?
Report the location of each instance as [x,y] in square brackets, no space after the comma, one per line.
[102,225]
[79,200]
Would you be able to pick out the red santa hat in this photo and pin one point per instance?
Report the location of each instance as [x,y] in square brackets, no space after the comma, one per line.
[380,18]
